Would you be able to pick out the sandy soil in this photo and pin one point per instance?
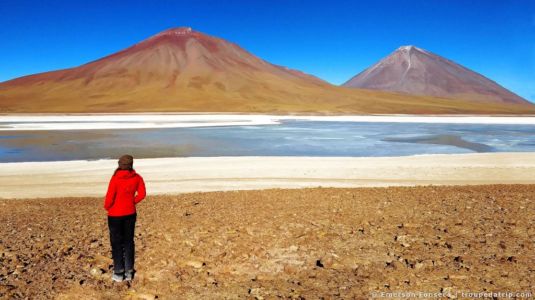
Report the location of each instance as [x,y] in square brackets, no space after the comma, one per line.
[181,175]
[307,243]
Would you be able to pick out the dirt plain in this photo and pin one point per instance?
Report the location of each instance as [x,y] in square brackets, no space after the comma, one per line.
[320,243]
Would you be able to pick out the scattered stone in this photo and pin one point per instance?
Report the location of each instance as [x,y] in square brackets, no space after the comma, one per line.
[419,265]
[448,291]
[96,272]
[403,240]
[195,264]
[271,241]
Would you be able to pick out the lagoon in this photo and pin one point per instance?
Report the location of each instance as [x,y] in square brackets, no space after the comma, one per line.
[271,136]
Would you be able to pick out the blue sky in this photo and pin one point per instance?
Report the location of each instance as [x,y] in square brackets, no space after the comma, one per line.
[333,40]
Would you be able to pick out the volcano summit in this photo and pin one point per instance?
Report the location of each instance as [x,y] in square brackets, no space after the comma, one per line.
[416,71]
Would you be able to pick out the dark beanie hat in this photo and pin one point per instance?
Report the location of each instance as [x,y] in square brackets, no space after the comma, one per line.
[126,162]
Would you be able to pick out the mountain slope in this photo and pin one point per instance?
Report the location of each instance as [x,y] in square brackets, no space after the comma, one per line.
[416,71]
[182,70]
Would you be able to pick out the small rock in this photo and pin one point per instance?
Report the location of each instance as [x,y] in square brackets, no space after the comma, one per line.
[326,261]
[290,269]
[260,277]
[211,280]
[403,240]
[250,231]
[195,264]
[96,272]
[168,238]
[256,293]
[448,292]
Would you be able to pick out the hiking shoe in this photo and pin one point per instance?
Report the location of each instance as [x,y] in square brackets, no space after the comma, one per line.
[129,275]
[117,277]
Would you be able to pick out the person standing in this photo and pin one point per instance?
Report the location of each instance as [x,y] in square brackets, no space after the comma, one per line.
[126,189]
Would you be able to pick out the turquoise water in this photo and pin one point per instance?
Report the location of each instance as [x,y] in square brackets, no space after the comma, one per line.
[291,138]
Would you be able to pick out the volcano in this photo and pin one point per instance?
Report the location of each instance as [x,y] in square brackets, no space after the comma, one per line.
[412,70]
[183,70]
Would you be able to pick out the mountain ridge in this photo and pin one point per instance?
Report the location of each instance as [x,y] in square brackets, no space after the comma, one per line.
[183,70]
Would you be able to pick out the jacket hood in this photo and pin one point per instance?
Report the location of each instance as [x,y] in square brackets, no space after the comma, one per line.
[125,174]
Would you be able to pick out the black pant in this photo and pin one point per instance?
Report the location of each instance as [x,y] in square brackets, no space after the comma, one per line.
[122,242]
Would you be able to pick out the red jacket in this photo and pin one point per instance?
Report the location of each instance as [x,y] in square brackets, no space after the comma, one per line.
[121,198]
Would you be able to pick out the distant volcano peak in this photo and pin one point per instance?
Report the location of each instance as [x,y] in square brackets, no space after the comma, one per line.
[407,48]
[411,48]
[179,36]
[177,31]
[416,71]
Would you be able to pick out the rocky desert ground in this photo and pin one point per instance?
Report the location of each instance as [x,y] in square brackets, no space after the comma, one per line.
[320,243]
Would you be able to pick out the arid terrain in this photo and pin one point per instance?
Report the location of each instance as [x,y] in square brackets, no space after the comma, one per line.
[307,243]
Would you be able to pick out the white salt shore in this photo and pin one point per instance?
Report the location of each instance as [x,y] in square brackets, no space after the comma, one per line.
[182,175]
[141,121]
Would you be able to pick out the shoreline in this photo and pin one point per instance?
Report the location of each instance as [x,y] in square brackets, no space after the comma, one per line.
[27,122]
[203,174]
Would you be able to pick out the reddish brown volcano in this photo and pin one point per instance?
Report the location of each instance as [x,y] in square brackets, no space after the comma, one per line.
[169,58]
[416,71]
[184,70]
